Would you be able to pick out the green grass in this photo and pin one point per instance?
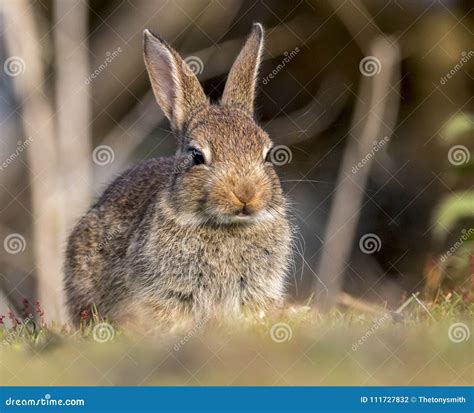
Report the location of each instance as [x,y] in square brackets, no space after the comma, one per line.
[322,350]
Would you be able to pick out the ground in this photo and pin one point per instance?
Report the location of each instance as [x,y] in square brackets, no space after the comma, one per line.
[422,345]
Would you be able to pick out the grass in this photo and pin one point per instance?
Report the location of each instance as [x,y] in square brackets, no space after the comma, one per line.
[426,344]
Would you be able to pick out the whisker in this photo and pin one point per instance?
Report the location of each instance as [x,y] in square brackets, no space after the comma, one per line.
[308,180]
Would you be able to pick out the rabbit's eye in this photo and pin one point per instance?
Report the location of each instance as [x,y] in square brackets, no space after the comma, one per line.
[198,157]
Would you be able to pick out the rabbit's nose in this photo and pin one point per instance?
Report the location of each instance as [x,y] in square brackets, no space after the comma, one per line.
[244,194]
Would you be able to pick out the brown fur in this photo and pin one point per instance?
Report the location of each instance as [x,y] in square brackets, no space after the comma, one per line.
[175,241]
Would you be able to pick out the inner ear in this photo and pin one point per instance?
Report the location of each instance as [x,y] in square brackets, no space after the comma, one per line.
[175,86]
[241,82]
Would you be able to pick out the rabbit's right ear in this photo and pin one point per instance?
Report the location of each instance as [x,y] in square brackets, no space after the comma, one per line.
[175,86]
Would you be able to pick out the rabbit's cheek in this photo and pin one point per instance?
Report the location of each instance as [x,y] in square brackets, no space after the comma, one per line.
[190,192]
[218,199]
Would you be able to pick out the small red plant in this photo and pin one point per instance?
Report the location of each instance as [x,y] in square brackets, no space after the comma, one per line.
[26,308]
[40,313]
[471,267]
[15,322]
[85,314]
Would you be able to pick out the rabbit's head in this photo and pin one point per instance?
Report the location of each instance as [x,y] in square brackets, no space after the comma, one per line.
[223,172]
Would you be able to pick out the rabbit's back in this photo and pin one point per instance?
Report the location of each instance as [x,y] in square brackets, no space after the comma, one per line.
[97,247]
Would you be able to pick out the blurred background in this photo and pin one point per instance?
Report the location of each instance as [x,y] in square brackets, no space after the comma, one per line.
[370,101]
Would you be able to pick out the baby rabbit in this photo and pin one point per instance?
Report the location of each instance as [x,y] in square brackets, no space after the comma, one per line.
[198,235]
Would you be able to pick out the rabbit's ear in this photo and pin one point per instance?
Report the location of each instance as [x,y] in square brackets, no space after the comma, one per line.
[241,82]
[175,86]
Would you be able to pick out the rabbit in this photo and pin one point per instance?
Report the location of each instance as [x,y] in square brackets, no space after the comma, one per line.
[204,234]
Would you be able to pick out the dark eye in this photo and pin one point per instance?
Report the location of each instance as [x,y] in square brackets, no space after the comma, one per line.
[198,157]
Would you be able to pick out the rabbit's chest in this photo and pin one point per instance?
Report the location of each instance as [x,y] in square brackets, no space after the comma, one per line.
[206,274]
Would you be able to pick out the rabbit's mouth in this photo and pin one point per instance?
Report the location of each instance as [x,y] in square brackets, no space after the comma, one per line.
[243,217]
[245,212]
[213,217]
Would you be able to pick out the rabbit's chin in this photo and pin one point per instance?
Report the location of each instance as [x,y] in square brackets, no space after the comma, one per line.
[239,219]
[226,219]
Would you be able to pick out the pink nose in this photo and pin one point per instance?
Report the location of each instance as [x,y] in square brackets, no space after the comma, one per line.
[244,193]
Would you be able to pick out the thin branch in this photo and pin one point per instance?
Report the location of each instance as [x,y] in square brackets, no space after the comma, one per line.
[358,304]
[374,120]
[73,106]
[37,118]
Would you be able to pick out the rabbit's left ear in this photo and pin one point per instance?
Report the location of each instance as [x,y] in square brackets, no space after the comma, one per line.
[241,82]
